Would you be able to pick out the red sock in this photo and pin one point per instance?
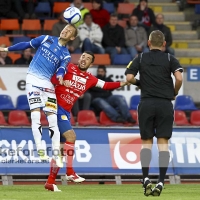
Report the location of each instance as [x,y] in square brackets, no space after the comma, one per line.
[54,169]
[69,149]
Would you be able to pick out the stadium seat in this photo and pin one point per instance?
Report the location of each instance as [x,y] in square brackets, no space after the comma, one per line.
[6,102]
[88,5]
[48,24]
[106,121]
[122,23]
[195,118]
[102,59]
[87,118]
[134,115]
[184,102]
[5,40]
[125,8]
[2,120]
[22,103]
[14,56]
[72,120]
[21,39]
[134,102]
[121,59]
[59,7]
[18,118]
[43,10]
[180,118]
[109,7]
[43,119]
[32,25]
[9,24]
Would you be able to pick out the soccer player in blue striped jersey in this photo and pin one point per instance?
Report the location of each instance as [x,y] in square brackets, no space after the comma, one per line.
[51,57]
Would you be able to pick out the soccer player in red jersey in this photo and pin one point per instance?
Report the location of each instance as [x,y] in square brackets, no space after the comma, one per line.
[76,82]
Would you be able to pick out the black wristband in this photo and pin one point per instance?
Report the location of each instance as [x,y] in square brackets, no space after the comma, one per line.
[137,82]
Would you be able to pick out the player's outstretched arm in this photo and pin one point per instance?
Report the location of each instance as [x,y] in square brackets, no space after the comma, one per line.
[17,47]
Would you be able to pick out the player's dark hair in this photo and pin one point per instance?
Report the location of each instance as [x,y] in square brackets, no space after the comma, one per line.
[90,53]
[157,38]
[114,15]
[76,30]
[87,14]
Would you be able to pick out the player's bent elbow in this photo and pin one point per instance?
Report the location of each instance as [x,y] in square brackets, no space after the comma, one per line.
[129,78]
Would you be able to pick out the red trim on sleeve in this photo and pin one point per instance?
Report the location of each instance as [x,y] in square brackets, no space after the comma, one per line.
[111,85]
[54,80]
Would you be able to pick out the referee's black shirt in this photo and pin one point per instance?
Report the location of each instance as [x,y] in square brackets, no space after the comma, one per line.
[155,68]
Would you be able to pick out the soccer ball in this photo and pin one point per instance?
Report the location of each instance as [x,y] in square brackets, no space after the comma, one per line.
[72,15]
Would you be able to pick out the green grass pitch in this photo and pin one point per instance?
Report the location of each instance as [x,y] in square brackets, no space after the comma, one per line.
[100,192]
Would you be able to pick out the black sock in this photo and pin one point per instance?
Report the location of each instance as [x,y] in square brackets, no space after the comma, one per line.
[163,164]
[145,158]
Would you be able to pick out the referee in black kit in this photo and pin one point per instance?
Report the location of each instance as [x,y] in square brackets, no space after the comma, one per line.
[155,110]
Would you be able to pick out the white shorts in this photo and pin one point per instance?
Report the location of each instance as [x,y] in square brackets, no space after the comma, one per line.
[41,94]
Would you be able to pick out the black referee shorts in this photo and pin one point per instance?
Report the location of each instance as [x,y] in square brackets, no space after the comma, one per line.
[156,118]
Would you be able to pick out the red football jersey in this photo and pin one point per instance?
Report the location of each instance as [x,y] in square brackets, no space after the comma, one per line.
[80,82]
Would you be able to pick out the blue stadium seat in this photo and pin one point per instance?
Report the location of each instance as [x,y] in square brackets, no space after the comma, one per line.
[6,102]
[184,102]
[109,7]
[22,103]
[122,59]
[197,8]
[134,102]
[21,39]
[43,10]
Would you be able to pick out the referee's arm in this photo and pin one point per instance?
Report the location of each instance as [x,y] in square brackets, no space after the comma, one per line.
[177,70]
[131,71]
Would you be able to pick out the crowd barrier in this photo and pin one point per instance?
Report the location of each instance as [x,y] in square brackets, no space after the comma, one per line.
[99,150]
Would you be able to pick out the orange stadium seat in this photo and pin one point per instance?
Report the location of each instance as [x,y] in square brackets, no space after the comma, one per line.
[2,120]
[10,24]
[5,40]
[88,5]
[43,119]
[59,7]
[195,118]
[122,23]
[14,56]
[125,8]
[180,118]
[87,118]
[32,25]
[18,118]
[106,121]
[193,1]
[102,59]
[48,24]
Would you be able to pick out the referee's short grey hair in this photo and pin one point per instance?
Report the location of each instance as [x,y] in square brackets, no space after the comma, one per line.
[157,38]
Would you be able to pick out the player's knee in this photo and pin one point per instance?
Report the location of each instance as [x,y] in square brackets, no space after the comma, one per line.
[70,136]
[52,119]
[35,116]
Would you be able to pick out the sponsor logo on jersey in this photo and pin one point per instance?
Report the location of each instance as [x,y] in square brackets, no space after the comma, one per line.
[35,100]
[34,93]
[79,79]
[49,41]
[46,45]
[64,117]
[49,56]
[77,85]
